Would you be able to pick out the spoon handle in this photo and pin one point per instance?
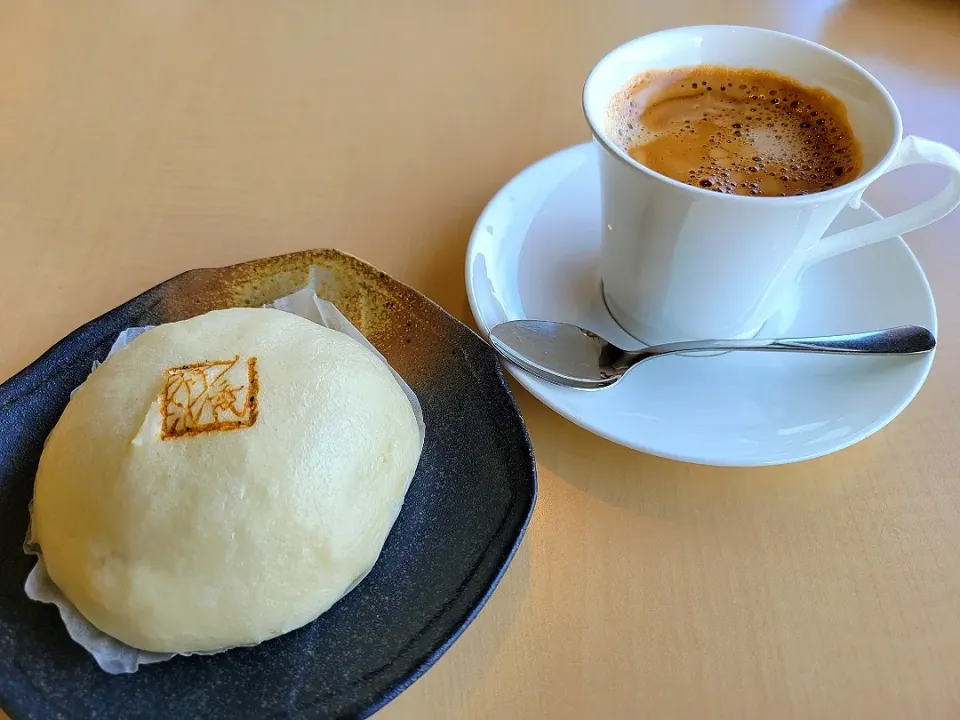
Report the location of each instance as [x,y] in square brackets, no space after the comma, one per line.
[903,340]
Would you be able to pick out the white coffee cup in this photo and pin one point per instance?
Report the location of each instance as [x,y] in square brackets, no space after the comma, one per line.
[680,262]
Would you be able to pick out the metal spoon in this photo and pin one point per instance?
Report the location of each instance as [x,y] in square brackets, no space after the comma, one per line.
[569,355]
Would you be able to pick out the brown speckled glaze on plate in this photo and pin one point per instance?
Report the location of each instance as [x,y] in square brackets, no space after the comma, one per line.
[463,518]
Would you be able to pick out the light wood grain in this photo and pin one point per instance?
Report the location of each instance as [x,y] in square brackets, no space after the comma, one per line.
[141,139]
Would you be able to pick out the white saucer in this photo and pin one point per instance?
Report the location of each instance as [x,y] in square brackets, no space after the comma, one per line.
[533,254]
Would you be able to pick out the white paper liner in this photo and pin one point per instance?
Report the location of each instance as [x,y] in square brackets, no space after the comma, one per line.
[112,655]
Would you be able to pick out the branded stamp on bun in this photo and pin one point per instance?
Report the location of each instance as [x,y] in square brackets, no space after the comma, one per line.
[209,396]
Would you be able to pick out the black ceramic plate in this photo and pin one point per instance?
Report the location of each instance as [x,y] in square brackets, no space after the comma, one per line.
[464,515]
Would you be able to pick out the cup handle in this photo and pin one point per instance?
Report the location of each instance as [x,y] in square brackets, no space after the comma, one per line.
[913,151]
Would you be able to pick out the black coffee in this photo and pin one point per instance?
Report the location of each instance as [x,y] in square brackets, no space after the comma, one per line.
[732,130]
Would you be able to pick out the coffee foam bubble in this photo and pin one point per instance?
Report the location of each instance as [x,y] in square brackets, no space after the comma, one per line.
[748,132]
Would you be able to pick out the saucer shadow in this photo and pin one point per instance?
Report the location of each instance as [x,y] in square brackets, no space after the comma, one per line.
[668,490]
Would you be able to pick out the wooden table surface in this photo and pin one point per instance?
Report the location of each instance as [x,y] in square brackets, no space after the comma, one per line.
[141,139]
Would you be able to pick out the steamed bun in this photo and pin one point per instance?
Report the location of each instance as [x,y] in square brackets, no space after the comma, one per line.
[223,480]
